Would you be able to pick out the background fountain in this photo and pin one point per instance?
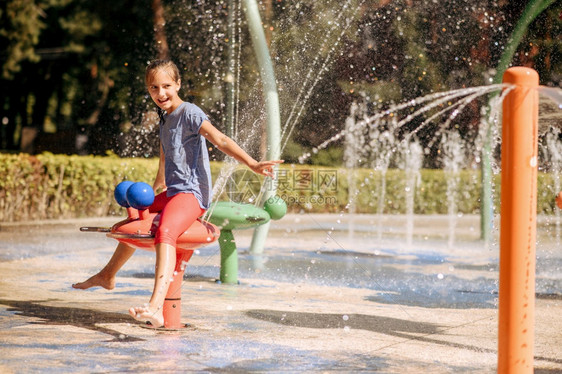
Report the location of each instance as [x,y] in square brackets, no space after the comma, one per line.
[453,163]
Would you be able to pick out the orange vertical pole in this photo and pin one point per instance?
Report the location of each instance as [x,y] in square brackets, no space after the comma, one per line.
[518,214]
[172,303]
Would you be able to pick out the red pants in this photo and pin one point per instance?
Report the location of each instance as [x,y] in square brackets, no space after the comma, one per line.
[177,214]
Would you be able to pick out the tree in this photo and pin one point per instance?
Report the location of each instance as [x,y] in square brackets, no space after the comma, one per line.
[20,27]
[76,67]
[74,76]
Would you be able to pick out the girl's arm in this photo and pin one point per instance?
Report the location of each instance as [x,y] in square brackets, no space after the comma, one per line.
[160,180]
[229,146]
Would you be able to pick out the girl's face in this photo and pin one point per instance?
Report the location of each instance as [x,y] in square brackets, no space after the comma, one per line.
[164,90]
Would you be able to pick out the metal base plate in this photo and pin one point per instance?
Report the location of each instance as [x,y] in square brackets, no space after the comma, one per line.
[95,229]
[183,327]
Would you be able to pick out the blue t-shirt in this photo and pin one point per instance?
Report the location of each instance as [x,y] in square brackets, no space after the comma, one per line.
[185,151]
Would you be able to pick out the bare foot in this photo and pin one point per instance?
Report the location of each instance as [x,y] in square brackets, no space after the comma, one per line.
[97,280]
[147,314]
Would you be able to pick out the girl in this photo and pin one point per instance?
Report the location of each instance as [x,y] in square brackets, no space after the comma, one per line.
[184,171]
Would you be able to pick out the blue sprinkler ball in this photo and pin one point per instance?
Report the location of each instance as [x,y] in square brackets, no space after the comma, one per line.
[140,195]
[120,193]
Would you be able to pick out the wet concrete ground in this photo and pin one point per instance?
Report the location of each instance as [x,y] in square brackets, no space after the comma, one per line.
[385,297]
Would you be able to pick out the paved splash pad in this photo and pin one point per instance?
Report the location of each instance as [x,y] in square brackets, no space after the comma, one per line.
[330,294]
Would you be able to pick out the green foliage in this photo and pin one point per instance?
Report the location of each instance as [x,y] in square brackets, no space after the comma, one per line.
[292,151]
[73,65]
[20,27]
[307,188]
[543,43]
[56,186]
[78,66]
[331,156]
[51,186]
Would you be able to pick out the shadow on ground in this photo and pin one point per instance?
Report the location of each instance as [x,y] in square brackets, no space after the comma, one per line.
[85,318]
[383,325]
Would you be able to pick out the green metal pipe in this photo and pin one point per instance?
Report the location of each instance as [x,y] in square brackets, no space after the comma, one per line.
[531,11]
[229,258]
[271,99]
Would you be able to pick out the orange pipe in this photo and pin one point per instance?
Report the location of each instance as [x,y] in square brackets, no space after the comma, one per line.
[172,303]
[518,214]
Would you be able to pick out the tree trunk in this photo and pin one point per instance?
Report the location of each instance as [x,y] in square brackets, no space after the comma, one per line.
[159,30]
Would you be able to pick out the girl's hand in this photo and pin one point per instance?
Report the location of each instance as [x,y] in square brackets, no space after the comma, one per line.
[265,167]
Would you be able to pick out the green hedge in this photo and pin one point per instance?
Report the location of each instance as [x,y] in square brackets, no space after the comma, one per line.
[57,186]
